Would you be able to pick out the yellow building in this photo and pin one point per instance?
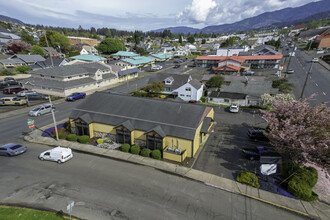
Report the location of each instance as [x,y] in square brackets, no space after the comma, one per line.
[175,128]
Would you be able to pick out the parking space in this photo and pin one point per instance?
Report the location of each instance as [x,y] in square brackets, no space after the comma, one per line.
[222,153]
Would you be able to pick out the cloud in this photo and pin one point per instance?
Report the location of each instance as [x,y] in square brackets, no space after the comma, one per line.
[198,11]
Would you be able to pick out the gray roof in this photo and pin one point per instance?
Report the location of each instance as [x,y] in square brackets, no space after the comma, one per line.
[49,49]
[195,83]
[128,71]
[72,70]
[47,63]
[29,58]
[12,61]
[229,95]
[57,83]
[243,53]
[250,87]
[4,30]
[312,33]
[109,76]
[206,124]
[5,36]
[178,80]
[173,118]
[115,68]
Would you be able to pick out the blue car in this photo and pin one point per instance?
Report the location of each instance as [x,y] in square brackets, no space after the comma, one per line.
[12,149]
[75,96]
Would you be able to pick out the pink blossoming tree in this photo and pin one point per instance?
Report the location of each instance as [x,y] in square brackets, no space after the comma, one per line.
[300,131]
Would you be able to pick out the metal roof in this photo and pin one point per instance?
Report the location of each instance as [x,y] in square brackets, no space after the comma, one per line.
[88,57]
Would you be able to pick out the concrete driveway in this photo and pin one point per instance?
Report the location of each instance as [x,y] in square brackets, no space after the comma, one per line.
[221,154]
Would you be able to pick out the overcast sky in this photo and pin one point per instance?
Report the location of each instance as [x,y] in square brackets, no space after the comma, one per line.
[139,14]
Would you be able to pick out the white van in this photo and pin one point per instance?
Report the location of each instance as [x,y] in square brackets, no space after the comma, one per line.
[41,110]
[58,154]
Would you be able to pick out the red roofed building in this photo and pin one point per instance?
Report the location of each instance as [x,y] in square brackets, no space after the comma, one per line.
[255,62]
[323,41]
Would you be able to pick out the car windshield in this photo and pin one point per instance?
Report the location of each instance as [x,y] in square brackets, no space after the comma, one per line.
[15,147]
[36,109]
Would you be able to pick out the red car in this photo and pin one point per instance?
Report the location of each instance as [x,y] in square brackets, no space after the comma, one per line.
[13,89]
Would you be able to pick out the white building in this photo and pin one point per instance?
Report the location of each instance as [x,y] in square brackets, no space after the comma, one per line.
[231,51]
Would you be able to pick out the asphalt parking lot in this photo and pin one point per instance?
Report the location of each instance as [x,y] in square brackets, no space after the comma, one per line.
[221,154]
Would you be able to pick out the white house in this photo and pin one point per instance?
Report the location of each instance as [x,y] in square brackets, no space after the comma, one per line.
[230,51]
[192,90]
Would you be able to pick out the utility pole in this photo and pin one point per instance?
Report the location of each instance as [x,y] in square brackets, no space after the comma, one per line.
[50,56]
[54,120]
[308,73]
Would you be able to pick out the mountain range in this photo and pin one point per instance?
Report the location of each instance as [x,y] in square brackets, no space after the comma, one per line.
[263,20]
[9,19]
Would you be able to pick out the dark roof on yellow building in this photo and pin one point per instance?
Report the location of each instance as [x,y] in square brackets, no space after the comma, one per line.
[167,118]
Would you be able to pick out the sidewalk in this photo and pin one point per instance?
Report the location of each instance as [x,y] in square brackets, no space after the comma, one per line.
[313,54]
[315,210]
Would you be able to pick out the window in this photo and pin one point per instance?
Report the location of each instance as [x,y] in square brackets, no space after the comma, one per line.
[50,88]
[52,77]
[211,99]
[82,129]
[80,75]
[226,100]
[181,94]
[154,143]
[188,95]
[47,154]
[188,89]
[123,137]
[70,77]
[43,87]
[42,75]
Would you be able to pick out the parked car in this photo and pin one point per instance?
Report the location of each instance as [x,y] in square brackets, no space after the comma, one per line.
[176,66]
[36,96]
[12,101]
[320,51]
[192,101]
[5,84]
[253,153]
[178,61]
[234,108]
[157,67]
[9,79]
[41,110]
[248,73]
[75,96]
[12,89]
[12,149]
[315,60]
[57,154]
[24,93]
[257,134]
[290,71]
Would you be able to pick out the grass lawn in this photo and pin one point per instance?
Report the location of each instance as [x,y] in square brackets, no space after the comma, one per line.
[13,213]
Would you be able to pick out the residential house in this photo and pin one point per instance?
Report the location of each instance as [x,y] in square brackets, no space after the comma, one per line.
[83,40]
[86,49]
[176,129]
[253,90]
[312,34]
[181,51]
[124,55]
[182,86]
[88,58]
[52,52]
[227,98]
[124,73]
[161,56]
[230,51]
[21,60]
[296,29]
[6,35]
[48,63]
[136,61]
[66,79]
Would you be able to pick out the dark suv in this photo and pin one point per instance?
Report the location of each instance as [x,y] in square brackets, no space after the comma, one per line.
[256,134]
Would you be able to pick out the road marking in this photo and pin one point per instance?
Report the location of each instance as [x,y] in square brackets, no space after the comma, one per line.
[316,84]
[324,93]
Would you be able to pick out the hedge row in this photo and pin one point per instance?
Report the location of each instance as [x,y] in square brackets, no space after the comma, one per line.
[145,152]
[248,178]
[84,139]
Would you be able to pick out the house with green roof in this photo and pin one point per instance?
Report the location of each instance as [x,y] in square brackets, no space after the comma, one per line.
[161,56]
[89,58]
[124,54]
[136,61]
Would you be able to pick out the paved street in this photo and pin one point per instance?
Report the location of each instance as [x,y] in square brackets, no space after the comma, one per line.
[318,81]
[101,186]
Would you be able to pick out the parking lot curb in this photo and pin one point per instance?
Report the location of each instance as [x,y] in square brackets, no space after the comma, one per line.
[188,173]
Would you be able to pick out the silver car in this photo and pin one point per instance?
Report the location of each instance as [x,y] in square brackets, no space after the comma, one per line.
[24,93]
[41,110]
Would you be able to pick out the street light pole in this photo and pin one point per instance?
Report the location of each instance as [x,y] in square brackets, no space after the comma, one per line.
[308,73]
[54,120]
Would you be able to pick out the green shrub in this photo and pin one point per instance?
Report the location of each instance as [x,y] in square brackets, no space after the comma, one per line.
[301,190]
[84,139]
[61,135]
[135,149]
[288,168]
[125,147]
[156,154]
[248,178]
[203,99]
[72,137]
[100,141]
[308,175]
[6,73]
[145,152]
[22,69]
[137,93]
